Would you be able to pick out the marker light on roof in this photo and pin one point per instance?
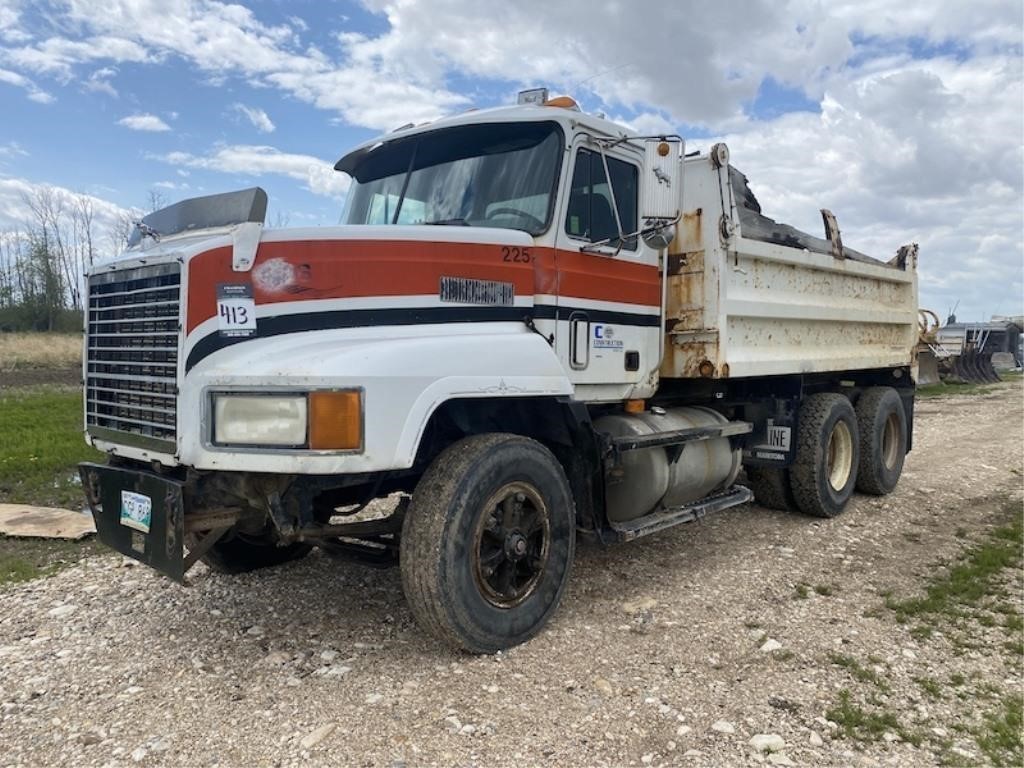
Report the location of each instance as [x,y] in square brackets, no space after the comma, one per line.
[535,96]
[565,102]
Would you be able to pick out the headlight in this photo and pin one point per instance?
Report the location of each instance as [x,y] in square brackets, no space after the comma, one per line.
[273,420]
[322,420]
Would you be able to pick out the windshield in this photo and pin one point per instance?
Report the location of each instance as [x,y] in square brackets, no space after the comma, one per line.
[487,175]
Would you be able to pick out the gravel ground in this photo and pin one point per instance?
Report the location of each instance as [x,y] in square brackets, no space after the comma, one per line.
[674,650]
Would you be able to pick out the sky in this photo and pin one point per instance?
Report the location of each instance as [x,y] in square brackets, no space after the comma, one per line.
[906,119]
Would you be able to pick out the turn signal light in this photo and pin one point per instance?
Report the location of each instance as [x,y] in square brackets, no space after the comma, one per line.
[335,420]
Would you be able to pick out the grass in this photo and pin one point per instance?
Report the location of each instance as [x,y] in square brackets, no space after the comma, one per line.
[975,577]
[42,443]
[863,725]
[39,350]
[930,686]
[858,671]
[26,559]
[945,388]
[1000,736]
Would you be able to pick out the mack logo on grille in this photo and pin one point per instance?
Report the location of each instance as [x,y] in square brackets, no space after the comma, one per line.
[464,290]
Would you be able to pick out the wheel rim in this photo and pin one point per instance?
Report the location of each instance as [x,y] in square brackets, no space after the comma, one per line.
[511,545]
[891,440]
[840,456]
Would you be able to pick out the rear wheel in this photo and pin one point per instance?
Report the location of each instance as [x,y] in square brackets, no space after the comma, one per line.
[824,473]
[487,543]
[882,424]
[771,487]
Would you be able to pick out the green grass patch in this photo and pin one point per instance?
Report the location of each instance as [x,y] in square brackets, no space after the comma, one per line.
[1000,737]
[825,590]
[863,725]
[858,671]
[946,389]
[801,592]
[930,686]
[26,559]
[41,446]
[973,578]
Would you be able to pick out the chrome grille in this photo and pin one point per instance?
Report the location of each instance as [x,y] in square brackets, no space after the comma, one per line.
[132,355]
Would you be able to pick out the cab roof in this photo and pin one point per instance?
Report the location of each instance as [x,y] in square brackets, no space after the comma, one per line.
[569,119]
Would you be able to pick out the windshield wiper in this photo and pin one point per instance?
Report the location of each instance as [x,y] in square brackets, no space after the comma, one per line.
[445,222]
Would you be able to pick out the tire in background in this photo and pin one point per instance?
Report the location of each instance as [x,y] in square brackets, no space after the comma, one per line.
[882,424]
[242,553]
[456,523]
[824,474]
[771,488]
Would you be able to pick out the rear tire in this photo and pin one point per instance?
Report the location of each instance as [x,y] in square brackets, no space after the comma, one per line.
[771,488]
[243,553]
[882,424]
[827,455]
[488,542]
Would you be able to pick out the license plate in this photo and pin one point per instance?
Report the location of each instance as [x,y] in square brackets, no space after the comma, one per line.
[136,510]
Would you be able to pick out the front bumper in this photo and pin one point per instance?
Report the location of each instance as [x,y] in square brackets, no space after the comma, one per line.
[139,514]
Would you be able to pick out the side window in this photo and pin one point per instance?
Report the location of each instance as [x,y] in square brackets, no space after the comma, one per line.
[590,215]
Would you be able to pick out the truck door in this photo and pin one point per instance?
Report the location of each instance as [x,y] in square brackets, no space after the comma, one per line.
[609,288]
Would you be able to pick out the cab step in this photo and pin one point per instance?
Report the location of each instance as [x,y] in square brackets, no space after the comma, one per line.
[666,518]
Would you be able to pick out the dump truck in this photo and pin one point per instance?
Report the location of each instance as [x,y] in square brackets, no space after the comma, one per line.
[531,325]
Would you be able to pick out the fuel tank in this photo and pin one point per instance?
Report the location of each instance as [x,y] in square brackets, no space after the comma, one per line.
[645,481]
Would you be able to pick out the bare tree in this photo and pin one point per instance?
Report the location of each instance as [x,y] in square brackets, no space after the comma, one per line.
[157,200]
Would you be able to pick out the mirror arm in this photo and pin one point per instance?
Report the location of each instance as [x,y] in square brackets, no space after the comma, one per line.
[661,224]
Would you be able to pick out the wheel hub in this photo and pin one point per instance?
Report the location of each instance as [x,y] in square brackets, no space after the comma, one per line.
[515,545]
[511,545]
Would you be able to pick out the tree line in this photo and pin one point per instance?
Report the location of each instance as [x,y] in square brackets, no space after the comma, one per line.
[42,262]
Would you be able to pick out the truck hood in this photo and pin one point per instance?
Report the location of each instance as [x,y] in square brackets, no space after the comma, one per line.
[356,277]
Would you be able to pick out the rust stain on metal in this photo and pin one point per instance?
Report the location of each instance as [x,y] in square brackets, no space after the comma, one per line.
[689,235]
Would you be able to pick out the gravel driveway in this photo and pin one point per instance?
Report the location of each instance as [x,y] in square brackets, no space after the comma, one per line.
[674,650]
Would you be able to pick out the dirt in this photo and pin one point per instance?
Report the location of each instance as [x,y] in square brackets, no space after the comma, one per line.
[32,377]
[660,654]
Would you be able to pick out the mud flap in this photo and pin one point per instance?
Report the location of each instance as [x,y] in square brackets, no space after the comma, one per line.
[139,514]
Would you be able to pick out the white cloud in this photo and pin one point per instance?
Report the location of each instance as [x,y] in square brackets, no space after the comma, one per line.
[35,93]
[318,176]
[99,81]
[12,149]
[10,24]
[57,56]
[260,119]
[144,122]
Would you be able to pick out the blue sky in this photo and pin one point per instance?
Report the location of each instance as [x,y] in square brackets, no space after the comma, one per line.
[906,121]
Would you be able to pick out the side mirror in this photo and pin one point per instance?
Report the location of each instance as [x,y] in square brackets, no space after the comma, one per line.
[661,188]
[658,234]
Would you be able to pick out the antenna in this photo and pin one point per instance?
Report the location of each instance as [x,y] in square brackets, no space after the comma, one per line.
[600,74]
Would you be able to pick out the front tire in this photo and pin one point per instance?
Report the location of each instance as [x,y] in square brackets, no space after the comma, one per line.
[882,423]
[487,543]
[824,473]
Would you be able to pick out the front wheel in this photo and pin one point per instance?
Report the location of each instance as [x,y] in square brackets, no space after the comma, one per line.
[487,542]
[240,553]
